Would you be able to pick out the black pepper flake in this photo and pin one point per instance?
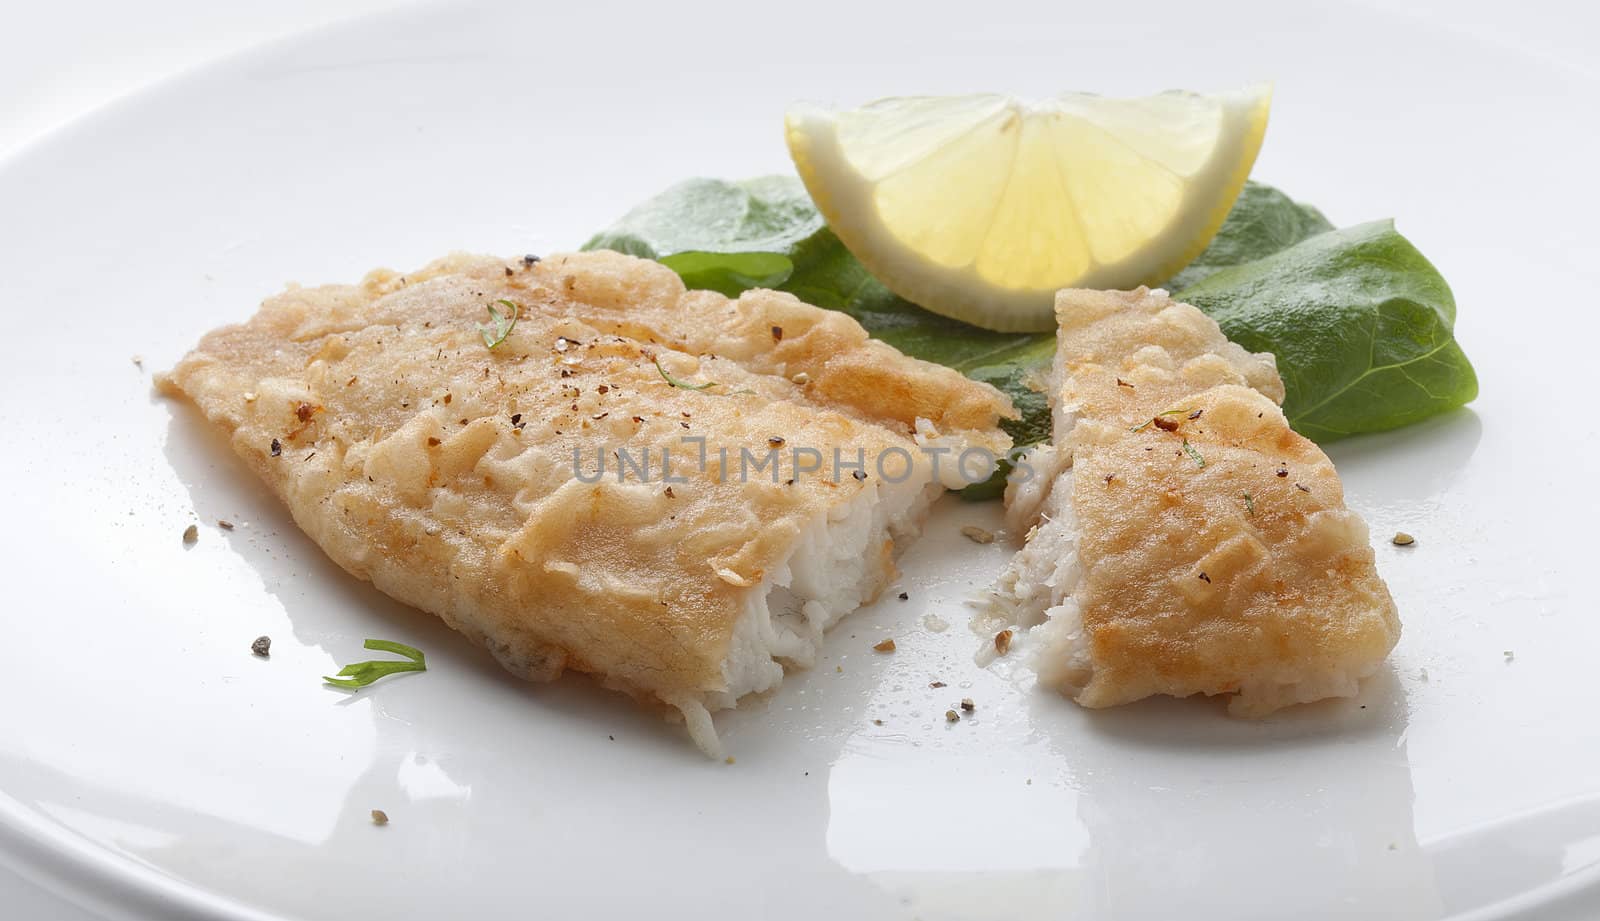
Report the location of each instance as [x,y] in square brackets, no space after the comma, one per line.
[776,441]
[1196,414]
[777,334]
[603,389]
[860,475]
[277,448]
[529,261]
[509,271]
[515,418]
[599,416]
[1205,578]
[684,424]
[433,442]
[1283,472]
[668,493]
[904,597]
[262,646]
[1110,477]
[638,420]
[1302,488]
[447,398]
[1123,383]
[936,684]
[968,705]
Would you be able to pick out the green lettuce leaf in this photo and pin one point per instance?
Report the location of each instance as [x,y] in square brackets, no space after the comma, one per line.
[771,214]
[1262,222]
[729,273]
[1360,323]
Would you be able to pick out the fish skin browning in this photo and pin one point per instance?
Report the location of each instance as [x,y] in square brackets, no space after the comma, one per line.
[1189,542]
[442,470]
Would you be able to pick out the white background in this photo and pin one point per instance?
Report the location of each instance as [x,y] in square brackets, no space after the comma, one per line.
[61,59]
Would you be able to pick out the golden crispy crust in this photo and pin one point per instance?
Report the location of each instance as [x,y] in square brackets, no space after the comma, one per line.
[441,470]
[1128,355]
[1205,571]
[1215,550]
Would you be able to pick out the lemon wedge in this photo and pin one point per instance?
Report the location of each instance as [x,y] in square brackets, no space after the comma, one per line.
[982,207]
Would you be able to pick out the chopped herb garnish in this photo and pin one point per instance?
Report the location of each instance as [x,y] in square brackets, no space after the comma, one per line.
[1249,503]
[682,385]
[362,674]
[502,325]
[1193,454]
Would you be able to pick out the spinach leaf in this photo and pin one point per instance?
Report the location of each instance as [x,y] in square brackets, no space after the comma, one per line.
[729,273]
[770,214]
[1360,323]
[1262,222]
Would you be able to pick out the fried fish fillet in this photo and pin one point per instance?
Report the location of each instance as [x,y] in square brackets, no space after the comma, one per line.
[672,491]
[1183,538]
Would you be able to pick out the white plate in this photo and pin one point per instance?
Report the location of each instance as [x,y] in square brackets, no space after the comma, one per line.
[150,767]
